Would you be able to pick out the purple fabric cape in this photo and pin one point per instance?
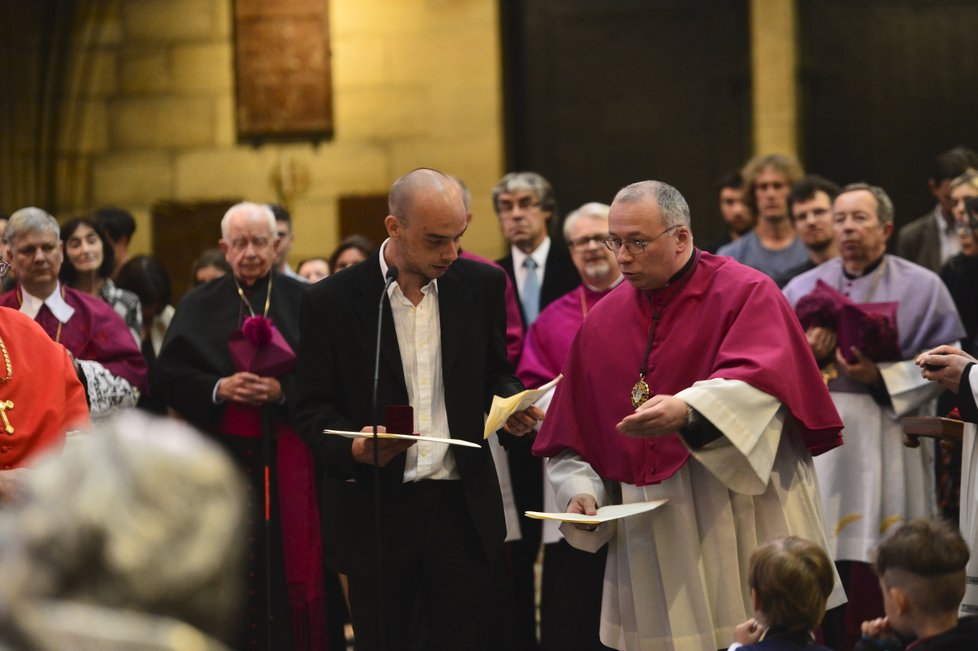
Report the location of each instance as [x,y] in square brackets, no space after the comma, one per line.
[926,316]
[94,332]
[550,337]
[728,321]
[514,323]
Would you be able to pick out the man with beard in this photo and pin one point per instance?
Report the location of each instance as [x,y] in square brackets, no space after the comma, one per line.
[810,203]
[773,246]
[737,219]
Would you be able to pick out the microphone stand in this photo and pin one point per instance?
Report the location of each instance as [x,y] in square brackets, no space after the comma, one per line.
[378,524]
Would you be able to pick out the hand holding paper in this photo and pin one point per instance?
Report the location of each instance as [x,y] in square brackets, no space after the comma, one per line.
[604,514]
[363,450]
[503,408]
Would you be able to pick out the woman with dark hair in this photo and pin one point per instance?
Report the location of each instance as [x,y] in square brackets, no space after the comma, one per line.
[354,249]
[88,265]
[210,264]
[147,278]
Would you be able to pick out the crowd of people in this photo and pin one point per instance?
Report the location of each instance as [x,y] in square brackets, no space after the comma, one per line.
[754,394]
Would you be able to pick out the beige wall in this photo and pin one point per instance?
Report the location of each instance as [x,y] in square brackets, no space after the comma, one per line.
[774,76]
[416,83]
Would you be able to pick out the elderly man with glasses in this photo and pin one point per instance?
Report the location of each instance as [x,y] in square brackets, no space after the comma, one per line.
[674,388]
[106,358]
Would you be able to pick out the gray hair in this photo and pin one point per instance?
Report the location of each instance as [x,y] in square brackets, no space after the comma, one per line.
[526,182]
[884,207]
[143,514]
[251,209]
[31,220]
[672,205]
[594,210]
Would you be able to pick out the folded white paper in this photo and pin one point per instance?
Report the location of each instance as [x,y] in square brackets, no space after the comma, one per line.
[403,437]
[605,513]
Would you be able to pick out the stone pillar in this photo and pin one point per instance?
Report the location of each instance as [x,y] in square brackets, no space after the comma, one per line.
[774,72]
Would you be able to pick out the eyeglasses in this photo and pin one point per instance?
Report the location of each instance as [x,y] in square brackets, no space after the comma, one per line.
[584,243]
[634,247]
[524,204]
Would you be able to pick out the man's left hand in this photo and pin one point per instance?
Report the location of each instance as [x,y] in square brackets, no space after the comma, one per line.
[865,371]
[658,416]
[523,422]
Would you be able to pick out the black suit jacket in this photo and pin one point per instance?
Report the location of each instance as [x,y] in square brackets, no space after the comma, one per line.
[559,275]
[338,326]
[920,242]
[195,352]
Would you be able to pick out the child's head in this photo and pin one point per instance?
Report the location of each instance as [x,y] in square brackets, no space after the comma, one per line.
[921,570]
[790,579]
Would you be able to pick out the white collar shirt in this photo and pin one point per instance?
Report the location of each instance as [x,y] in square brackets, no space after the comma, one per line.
[539,256]
[418,330]
[948,237]
[31,305]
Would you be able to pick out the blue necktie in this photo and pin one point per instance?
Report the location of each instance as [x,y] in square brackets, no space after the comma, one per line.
[531,292]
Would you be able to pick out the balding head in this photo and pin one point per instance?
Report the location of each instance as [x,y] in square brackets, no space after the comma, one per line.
[422,182]
[426,221]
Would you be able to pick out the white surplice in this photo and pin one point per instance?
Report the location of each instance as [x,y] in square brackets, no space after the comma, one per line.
[676,577]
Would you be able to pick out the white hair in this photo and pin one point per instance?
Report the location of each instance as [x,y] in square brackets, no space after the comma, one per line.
[593,210]
[250,209]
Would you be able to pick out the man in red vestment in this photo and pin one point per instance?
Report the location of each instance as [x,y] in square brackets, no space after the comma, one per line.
[674,389]
[41,397]
[109,363]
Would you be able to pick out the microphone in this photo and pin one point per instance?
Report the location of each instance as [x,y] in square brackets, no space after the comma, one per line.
[389,279]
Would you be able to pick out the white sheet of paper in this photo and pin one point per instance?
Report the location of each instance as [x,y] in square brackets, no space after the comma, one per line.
[605,513]
[405,437]
[502,408]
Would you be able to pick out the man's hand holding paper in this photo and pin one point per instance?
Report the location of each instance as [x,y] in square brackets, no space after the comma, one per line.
[387,449]
[517,413]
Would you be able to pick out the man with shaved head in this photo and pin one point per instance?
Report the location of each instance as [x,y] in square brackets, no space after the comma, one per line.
[442,352]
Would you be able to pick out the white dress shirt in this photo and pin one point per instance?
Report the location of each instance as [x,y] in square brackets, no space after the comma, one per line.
[950,242]
[418,330]
[539,256]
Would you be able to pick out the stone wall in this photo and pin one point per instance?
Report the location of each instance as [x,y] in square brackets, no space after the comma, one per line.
[416,83]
